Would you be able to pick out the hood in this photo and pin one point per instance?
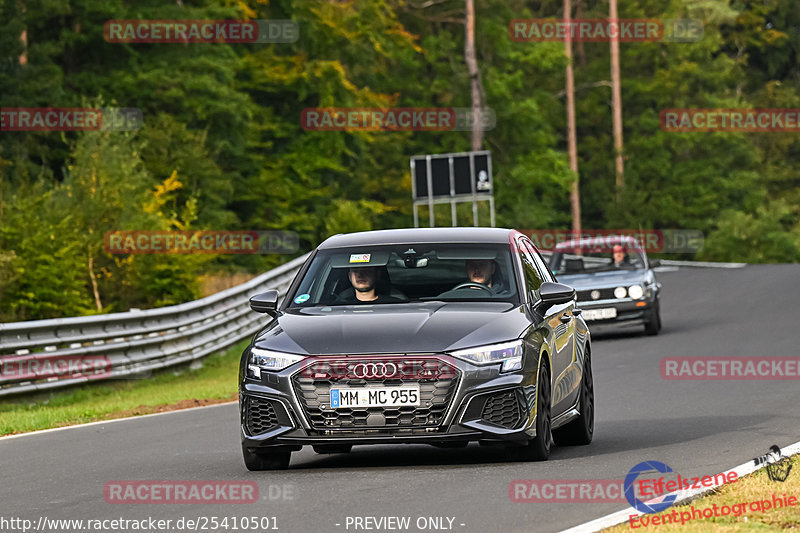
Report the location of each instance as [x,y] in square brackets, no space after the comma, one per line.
[393,328]
[603,279]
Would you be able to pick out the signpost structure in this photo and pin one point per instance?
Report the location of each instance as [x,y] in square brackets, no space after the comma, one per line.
[452,178]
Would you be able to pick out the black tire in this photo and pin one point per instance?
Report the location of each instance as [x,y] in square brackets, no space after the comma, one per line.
[653,325]
[332,448]
[266,459]
[538,448]
[580,431]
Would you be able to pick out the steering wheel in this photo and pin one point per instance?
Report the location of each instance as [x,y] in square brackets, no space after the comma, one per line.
[472,284]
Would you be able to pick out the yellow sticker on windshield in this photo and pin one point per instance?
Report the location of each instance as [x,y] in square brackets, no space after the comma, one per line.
[359,258]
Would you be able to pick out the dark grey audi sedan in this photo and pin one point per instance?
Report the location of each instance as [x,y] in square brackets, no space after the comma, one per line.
[440,336]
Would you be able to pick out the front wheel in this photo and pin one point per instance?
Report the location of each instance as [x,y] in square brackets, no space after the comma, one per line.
[266,459]
[538,448]
[581,430]
[653,325]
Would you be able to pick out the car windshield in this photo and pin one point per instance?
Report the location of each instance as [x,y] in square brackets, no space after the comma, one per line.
[390,274]
[595,261]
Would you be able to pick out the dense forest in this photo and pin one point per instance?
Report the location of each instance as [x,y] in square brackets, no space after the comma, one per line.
[222,146]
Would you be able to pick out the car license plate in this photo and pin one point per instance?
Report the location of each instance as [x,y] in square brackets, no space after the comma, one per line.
[599,314]
[344,398]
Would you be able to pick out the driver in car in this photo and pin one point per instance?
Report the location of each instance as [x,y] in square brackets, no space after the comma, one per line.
[482,271]
[620,258]
[364,281]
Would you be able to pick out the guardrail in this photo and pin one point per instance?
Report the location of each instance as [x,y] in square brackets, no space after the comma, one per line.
[134,342]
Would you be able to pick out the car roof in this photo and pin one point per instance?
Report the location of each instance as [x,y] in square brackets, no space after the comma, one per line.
[592,241]
[419,235]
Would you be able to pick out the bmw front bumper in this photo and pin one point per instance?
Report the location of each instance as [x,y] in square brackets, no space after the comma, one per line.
[629,312]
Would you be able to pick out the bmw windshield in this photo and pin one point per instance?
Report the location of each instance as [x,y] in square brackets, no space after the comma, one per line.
[588,262]
[390,274]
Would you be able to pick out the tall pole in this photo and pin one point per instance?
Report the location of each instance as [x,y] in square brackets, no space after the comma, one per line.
[581,51]
[23,57]
[572,142]
[616,101]
[474,75]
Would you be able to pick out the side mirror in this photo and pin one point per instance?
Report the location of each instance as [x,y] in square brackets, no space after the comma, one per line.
[654,263]
[556,293]
[266,302]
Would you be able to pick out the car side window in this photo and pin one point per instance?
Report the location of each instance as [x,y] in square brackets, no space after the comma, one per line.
[533,279]
[544,271]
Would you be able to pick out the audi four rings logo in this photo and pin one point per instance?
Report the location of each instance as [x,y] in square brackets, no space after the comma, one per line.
[374,370]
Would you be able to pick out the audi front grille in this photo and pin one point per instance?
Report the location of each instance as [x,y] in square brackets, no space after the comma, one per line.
[437,380]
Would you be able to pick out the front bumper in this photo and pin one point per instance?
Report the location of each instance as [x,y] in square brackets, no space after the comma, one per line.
[291,408]
[629,312]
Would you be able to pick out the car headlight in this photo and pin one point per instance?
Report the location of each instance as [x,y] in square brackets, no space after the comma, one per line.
[620,292]
[270,361]
[508,353]
[635,291]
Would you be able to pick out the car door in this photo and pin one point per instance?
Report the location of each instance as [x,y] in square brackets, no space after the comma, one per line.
[562,322]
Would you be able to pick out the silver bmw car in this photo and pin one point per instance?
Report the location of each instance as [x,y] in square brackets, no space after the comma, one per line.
[614,280]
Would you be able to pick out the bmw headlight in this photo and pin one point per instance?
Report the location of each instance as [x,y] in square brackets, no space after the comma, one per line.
[508,353]
[270,361]
[620,292]
[636,291]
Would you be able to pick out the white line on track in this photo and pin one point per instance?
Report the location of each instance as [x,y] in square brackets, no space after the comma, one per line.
[89,424]
[682,496]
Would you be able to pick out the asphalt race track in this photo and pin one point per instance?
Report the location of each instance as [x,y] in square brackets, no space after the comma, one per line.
[696,427]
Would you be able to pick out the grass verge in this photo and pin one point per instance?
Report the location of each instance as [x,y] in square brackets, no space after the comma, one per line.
[166,390]
[748,490]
